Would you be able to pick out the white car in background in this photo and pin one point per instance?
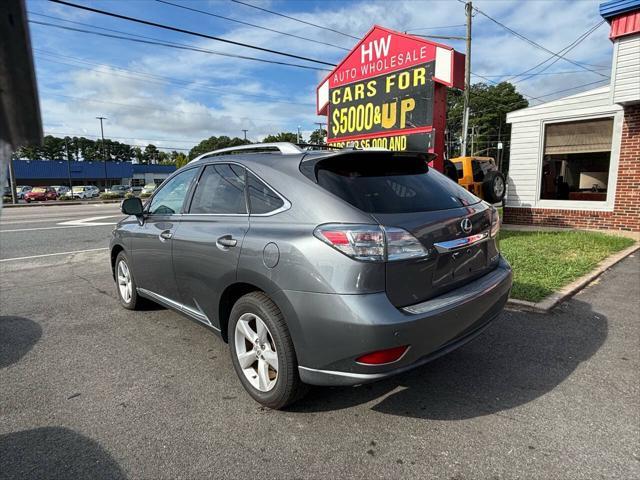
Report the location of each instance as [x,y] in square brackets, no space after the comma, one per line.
[148,189]
[83,192]
[60,189]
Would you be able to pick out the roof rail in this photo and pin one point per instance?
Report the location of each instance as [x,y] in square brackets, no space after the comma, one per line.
[285,148]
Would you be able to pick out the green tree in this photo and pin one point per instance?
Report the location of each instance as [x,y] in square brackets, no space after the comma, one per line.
[489,105]
[138,154]
[151,154]
[179,159]
[215,143]
[318,136]
[52,148]
[282,137]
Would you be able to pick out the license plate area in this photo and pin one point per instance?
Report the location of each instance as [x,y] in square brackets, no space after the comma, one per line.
[459,264]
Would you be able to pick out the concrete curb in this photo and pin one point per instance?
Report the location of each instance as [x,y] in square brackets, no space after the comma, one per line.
[546,304]
[58,204]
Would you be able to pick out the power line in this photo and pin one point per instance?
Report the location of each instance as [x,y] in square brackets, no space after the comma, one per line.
[531,42]
[434,28]
[564,51]
[189,140]
[188,32]
[147,140]
[295,19]
[211,14]
[160,79]
[175,45]
[566,72]
[571,88]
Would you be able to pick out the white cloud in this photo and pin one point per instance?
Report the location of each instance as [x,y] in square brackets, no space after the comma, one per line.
[150,110]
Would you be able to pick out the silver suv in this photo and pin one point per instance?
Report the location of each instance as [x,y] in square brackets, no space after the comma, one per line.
[317,267]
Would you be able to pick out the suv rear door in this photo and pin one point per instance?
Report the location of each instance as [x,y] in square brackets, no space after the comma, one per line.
[207,245]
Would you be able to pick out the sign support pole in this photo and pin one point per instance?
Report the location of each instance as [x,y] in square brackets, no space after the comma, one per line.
[467,80]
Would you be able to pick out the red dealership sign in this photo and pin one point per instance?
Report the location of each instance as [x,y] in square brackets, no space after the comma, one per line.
[390,91]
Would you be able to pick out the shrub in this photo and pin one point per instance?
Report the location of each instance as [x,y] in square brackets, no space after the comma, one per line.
[129,195]
[109,196]
[145,195]
[65,198]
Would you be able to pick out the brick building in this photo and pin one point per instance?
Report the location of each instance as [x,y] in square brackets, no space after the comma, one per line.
[575,162]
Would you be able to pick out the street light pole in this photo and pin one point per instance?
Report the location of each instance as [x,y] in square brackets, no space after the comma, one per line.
[66,144]
[468,7]
[320,124]
[104,156]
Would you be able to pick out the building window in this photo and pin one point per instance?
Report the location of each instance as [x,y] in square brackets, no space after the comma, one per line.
[576,160]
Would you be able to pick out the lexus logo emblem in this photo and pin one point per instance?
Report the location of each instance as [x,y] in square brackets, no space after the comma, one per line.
[466,225]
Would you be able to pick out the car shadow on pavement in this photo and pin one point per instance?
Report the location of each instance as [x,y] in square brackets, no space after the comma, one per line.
[54,453]
[519,358]
[17,336]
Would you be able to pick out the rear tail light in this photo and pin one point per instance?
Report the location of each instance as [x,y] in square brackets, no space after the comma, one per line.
[371,243]
[381,357]
[495,222]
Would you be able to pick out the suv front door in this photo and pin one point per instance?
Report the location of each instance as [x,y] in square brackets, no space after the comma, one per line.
[151,243]
[207,245]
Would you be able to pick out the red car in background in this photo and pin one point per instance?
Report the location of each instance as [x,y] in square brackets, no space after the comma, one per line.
[40,194]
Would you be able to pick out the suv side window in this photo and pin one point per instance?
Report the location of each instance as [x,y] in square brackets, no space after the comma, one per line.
[261,198]
[220,190]
[169,199]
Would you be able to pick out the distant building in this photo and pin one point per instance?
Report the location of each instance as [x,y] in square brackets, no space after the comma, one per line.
[43,172]
[575,162]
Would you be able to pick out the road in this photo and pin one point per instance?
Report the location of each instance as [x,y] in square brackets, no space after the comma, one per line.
[90,390]
[30,231]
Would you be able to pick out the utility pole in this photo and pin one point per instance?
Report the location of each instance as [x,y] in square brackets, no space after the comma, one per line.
[245,133]
[467,79]
[104,156]
[6,149]
[320,124]
[66,145]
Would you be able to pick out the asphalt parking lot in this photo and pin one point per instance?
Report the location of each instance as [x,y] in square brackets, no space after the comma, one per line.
[90,390]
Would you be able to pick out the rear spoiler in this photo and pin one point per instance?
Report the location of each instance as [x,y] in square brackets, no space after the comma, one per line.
[309,163]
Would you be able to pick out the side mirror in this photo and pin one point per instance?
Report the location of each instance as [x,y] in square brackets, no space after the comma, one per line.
[132,206]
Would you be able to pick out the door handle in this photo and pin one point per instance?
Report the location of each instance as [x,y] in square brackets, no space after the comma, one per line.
[166,235]
[226,241]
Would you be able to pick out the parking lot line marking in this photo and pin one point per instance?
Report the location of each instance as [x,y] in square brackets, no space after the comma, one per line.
[90,222]
[52,228]
[52,254]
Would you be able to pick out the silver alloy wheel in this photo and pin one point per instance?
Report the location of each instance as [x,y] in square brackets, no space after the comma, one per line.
[124,281]
[498,187]
[256,352]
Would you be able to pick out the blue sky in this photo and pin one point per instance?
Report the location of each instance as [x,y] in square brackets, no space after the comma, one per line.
[174,98]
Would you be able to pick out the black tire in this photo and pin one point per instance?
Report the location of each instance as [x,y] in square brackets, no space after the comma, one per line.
[288,387]
[494,187]
[135,302]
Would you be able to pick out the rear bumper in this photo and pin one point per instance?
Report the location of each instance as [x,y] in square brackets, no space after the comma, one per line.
[331,331]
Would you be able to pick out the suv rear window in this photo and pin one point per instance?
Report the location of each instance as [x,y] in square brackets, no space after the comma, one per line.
[383,184]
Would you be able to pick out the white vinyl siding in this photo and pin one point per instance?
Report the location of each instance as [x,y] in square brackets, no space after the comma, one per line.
[625,78]
[527,144]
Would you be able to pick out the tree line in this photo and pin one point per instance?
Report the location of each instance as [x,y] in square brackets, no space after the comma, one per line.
[85,149]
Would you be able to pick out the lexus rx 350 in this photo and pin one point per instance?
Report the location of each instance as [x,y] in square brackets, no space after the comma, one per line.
[317,267]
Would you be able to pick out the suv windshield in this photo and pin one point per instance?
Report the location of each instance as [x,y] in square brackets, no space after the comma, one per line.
[391,185]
